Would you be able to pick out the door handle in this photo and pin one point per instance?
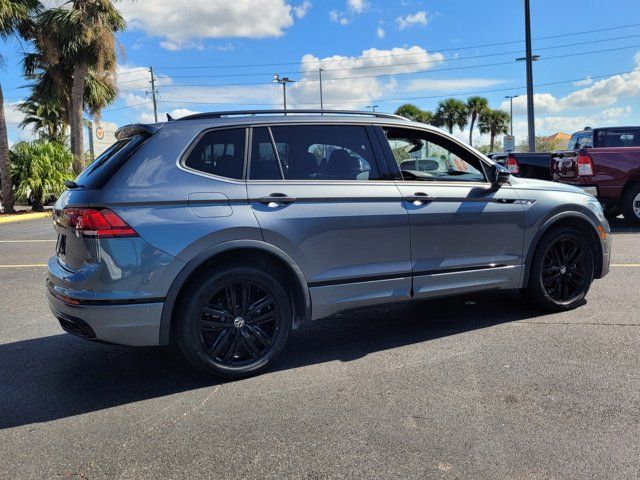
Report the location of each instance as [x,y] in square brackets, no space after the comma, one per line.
[419,198]
[277,198]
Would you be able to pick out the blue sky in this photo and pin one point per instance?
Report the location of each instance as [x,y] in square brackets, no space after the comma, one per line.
[212,55]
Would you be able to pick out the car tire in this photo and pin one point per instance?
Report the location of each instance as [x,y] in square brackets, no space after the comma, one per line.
[560,278]
[631,204]
[234,322]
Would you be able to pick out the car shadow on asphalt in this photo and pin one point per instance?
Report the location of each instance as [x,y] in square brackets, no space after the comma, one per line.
[620,225]
[59,376]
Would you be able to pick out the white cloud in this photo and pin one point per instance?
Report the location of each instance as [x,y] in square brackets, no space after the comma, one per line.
[582,83]
[356,91]
[356,6]
[12,115]
[418,18]
[301,10]
[182,27]
[380,32]
[452,84]
[338,17]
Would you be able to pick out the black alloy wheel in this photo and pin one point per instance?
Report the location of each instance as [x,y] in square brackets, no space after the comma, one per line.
[561,269]
[239,323]
[234,322]
[564,271]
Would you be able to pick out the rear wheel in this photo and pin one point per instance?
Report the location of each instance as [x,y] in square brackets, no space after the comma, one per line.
[561,270]
[631,204]
[234,322]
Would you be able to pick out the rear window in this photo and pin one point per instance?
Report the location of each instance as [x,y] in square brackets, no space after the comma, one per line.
[619,138]
[96,175]
[220,153]
[581,140]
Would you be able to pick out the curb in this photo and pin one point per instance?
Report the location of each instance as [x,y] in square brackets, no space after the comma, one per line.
[19,217]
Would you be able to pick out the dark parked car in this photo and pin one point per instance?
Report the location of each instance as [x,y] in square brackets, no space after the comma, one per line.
[606,163]
[526,164]
[222,232]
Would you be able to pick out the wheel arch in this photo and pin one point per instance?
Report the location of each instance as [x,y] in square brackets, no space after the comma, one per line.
[574,219]
[252,251]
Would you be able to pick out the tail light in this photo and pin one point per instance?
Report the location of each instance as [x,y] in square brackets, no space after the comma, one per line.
[97,222]
[512,165]
[585,166]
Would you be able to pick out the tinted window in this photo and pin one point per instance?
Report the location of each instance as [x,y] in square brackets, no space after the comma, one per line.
[106,165]
[425,156]
[619,138]
[325,152]
[219,152]
[264,163]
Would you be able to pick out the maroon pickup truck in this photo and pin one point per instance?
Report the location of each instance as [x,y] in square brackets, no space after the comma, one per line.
[606,163]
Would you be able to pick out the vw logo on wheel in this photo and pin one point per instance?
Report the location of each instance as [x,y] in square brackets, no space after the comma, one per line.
[238,322]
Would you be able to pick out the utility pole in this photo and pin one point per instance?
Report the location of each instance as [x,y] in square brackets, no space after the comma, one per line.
[320,76]
[530,113]
[153,94]
[511,97]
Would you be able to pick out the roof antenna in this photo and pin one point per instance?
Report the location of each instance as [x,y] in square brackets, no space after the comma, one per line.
[169,118]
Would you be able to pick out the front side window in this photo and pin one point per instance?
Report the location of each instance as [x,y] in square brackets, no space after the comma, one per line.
[219,152]
[430,157]
[313,152]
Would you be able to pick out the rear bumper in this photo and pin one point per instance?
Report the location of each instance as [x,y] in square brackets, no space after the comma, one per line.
[134,324]
[89,315]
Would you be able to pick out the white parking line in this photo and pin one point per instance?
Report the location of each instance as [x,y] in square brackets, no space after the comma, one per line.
[25,241]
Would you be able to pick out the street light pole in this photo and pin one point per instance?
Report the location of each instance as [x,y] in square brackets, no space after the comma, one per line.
[283,81]
[511,97]
[372,107]
[530,113]
[320,76]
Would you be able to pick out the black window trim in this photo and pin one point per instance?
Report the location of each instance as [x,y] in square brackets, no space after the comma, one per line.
[181,163]
[395,170]
[376,153]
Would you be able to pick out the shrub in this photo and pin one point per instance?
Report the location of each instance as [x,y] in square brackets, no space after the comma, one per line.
[39,169]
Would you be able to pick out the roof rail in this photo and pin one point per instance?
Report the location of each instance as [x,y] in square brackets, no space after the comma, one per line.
[231,113]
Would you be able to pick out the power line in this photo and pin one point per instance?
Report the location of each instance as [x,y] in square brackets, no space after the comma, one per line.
[399,54]
[400,99]
[127,106]
[466,67]
[364,67]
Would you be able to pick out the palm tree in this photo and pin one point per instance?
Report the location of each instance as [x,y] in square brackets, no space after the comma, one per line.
[76,39]
[494,122]
[45,119]
[476,106]
[451,112]
[12,14]
[410,111]
[39,169]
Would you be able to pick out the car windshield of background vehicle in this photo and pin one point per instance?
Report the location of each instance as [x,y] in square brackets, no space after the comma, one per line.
[431,159]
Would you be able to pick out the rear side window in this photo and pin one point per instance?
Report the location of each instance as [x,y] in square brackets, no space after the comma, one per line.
[619,138]
[317,152]
[219,152]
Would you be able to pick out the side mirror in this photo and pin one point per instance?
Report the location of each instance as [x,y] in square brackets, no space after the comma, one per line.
[498,175]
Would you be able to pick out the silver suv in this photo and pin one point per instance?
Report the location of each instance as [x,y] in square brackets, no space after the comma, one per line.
[222,232]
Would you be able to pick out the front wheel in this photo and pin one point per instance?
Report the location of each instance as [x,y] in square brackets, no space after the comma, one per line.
[561,270]
[234,322]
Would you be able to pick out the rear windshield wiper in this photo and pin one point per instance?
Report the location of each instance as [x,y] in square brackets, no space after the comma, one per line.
[71,184]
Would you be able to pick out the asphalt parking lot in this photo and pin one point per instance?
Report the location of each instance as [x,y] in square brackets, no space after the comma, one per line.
[479,386]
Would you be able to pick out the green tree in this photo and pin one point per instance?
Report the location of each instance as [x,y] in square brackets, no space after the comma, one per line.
[39,169]
[416,114]
[542,145]
[494,122]
[13,13]
[45,119]
[451,112]
[476,106]
[79,38]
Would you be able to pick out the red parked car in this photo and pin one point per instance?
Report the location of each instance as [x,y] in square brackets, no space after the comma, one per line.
[606,163]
